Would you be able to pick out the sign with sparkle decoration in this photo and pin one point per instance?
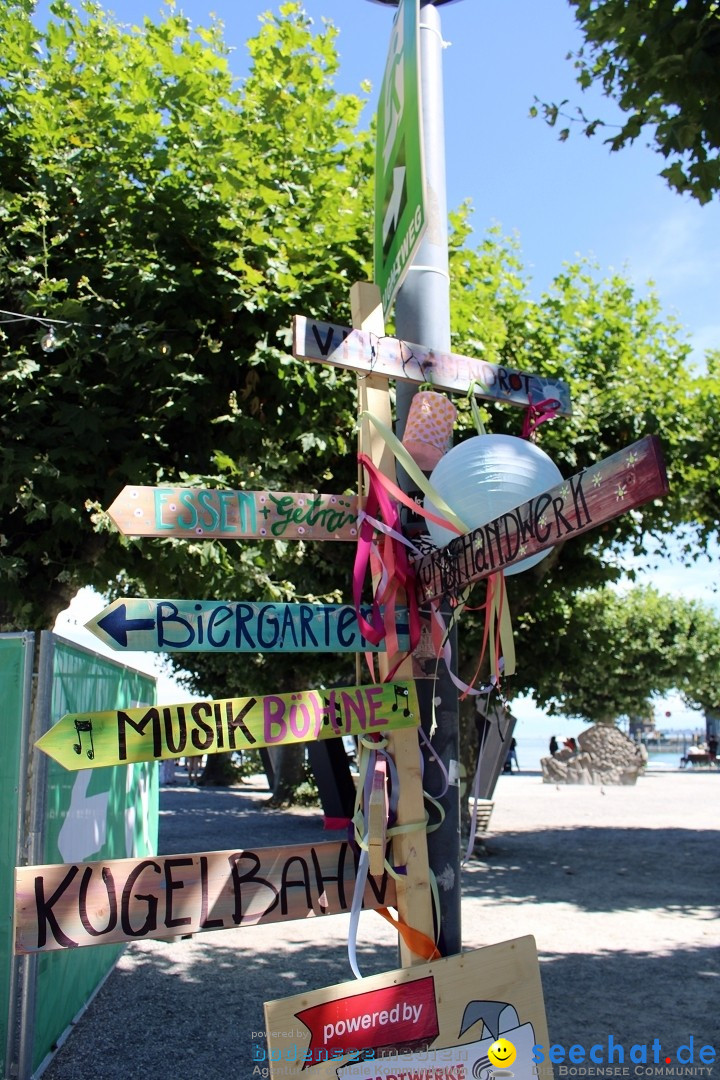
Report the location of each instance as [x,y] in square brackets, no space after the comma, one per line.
[214,513]
[598,494]
[163,732]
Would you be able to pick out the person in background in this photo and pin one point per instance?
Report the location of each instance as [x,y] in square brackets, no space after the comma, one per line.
[571,744]
[512,756]
[554,746]
[194,764]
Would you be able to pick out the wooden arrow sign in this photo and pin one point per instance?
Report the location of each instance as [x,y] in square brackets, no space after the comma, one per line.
[361,351]
[604,491]
[162,732]
[69,905]
[210,513]
[234,626]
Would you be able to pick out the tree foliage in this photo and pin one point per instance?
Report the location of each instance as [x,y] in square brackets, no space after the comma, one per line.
[629,372]
[611,652]
[171,222]
[660,62]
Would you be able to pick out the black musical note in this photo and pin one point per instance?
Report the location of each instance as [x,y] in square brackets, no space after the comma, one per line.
[80,726]
[332,715]
[401,692]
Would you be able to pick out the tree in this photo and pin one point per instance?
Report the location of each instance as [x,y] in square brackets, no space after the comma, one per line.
[660,62]
[170,223]
[611,652]
[629,373]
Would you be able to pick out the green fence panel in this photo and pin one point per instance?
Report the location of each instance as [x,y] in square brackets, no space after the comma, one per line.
[108,813]
[15,653]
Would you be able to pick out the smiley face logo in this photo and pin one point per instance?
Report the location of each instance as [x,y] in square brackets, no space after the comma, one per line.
[501,1053]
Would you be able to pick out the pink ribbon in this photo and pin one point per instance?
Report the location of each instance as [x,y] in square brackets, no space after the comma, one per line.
[389,555]
[535,415]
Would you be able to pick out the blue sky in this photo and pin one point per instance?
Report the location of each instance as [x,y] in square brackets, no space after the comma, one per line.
[561,199]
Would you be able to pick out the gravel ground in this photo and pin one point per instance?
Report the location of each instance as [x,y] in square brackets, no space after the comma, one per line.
[620,887]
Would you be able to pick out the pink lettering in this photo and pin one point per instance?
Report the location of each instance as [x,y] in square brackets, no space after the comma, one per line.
[273,719]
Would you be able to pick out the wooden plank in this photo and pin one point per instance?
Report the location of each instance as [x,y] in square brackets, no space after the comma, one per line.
[367,351]
[151,625]
[431,1022]
[409,849]
[97,903]
[598,494]
[213,513]
[162,732]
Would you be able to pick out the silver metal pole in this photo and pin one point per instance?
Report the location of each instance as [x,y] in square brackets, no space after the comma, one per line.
[35,839]
[422,315]
[13,1019]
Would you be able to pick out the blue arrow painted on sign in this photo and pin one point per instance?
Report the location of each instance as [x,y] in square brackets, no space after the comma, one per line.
[236,626]
[116,624]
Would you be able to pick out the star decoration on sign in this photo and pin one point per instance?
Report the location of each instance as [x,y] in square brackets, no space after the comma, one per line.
[564,491]
[621,492]
[632,458]
[597,479]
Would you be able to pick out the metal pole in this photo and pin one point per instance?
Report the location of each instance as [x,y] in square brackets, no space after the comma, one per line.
[422,315]
[35,840]
[13,1018]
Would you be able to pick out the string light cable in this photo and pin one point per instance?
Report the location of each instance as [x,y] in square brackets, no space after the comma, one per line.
[50,341]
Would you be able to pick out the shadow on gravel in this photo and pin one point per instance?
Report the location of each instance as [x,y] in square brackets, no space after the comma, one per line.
[202,1018]
[636,997]
[600,869]
[216,819]
[195,1012]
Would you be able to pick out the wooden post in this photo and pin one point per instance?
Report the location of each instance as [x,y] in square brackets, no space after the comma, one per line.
[409,849]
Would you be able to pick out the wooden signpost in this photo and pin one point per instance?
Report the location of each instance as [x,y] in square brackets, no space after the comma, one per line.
[97,903]
[604,491]
[409,845]
[429,1022]
[210,513]
[234,626]
[162,732]
[369,352]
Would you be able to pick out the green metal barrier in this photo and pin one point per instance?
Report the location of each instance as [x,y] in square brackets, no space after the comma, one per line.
[109,813]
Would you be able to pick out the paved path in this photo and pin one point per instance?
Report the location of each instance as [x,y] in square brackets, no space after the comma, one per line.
[620,887]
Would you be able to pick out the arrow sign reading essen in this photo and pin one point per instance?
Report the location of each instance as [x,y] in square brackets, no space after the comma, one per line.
[360,351]
[604,491]
[162,732]
[69,905]
[235,626]
[211,513]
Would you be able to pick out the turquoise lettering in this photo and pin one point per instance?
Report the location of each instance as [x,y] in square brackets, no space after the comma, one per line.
[211,519]
[186,499]
[161,497]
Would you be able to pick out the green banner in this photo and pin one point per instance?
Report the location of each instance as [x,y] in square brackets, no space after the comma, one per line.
[400,216]
[90,814]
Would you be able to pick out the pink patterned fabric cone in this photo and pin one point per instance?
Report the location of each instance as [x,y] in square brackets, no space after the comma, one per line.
[428,431]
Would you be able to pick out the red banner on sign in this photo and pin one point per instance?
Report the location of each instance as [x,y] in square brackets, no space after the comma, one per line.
[398,1016]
